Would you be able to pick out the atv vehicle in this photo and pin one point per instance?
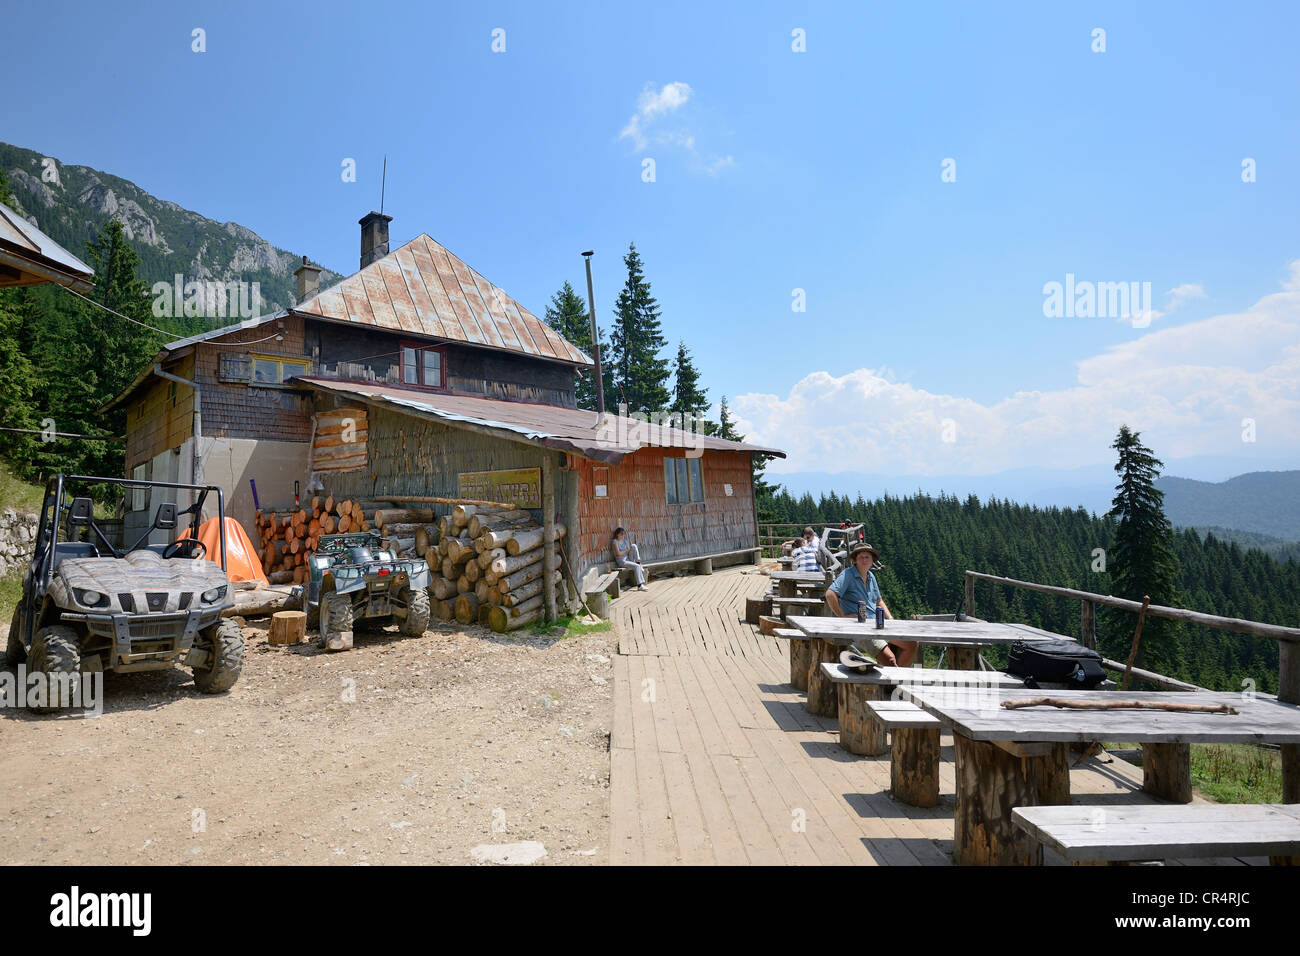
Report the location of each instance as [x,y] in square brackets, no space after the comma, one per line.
[88,606]
[352,581]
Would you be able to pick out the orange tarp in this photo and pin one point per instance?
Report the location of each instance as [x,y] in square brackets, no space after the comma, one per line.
[242,562]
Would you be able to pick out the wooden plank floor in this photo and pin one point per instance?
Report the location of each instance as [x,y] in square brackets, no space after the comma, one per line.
[714,759]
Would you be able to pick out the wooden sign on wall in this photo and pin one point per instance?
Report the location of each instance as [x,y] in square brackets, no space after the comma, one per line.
[518,486]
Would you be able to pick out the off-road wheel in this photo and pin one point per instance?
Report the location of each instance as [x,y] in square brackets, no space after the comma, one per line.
[54,651]
[313,616]
[224,643]
[416,621]
[335,616]
[15,653]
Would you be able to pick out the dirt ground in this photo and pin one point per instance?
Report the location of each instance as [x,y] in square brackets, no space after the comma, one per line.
[403,750]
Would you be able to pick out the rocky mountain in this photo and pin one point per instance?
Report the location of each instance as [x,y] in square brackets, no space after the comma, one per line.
[71,203]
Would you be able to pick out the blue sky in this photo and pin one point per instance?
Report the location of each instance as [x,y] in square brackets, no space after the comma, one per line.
[924,348]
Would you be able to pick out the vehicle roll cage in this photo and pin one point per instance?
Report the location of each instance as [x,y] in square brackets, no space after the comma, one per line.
[54,497]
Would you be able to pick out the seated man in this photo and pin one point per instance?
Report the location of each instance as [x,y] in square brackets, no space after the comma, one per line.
[856,584]
[805,551]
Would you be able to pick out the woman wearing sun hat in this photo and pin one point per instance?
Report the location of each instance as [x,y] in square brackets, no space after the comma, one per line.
[856,584]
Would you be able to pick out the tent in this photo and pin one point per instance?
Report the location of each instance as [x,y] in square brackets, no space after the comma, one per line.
[242,561]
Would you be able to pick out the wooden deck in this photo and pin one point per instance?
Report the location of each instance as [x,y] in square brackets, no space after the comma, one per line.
[713,758]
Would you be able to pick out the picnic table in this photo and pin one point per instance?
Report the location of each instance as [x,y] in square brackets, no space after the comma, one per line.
[789,583]
[1020,757]
[963,639]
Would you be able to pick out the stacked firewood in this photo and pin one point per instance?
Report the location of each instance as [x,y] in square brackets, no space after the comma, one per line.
[488,567]
[289,538]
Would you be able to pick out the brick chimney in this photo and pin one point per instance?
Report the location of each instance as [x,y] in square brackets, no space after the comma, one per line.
[308,277]
[374,237]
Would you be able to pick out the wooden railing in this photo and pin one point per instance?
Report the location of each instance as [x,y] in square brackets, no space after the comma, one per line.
[772,534]
[1288,638]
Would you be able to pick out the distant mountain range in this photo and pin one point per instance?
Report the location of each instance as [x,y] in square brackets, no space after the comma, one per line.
[169,239]
[1261,507]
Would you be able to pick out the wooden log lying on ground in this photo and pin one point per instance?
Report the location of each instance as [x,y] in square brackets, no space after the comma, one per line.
[386,516]
[443,588]
[261,601]
[511,582]
[532,589]
[445,610]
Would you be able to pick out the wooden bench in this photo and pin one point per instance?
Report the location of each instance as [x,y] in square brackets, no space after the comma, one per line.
[1095,835]
[598,588]
[701,564]
[913,751]
[798,655]
[860,732]
[811,605]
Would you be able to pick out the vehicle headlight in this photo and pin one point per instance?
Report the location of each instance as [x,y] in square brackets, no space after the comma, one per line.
[214,594]
[91,598]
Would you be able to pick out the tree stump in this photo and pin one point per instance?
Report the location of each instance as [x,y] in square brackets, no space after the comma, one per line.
[799,664]
[914,766]
[990,782]
[288,627]
[963,658]
[823,699]
[1167,771]
[860,732]
[755,608]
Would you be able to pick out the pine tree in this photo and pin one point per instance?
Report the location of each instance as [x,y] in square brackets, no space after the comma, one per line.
[567,314]
[640,373]
[688,397]
[1142,557]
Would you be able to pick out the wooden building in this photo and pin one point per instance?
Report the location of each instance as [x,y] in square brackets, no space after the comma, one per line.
[417,376]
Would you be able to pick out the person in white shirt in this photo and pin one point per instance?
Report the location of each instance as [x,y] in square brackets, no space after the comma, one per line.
[805,551]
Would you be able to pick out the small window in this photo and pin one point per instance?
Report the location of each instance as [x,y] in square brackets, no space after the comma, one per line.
[683,480]
[422,365]
[273,370]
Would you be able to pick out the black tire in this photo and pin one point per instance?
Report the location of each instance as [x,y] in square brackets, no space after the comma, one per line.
[224,643]
[416,621]
[54,651]
[313,616]
[15,652]
[335,615]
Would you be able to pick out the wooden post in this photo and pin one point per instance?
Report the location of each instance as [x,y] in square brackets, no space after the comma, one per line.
[990,782]
[1167,771]
[798,664]
[914,766]
[860,732]
[823,700]
[962,658]
[1288,691]
[1137,639]
[288,627]
[970,596]
[550,561]
[1088,624]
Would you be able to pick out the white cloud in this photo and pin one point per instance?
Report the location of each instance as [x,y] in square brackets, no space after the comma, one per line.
[652,104]
[1175,299]
[1186,388]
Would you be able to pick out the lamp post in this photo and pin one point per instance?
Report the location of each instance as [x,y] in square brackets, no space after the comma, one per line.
[595,338]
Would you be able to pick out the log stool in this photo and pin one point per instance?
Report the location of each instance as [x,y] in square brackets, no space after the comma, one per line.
[288,627]
[914,751]
[798,656]
[860,732]
[823,699]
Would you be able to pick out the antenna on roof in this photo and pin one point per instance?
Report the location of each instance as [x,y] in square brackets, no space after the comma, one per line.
[383,183]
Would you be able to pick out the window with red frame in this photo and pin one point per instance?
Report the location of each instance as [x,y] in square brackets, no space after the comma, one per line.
[423,365]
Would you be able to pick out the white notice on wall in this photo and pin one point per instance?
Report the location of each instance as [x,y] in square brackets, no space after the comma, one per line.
[602,493]
[727,489]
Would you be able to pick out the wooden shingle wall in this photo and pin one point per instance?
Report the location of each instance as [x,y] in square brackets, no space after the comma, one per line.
[636,500]
[235,410]
[159,419]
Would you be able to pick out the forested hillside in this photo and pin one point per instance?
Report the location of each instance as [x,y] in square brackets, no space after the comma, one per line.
[72,204]
[927,543]
[1261,502]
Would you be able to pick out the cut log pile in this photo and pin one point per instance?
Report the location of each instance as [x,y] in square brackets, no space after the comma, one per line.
[487,567]
[289,538]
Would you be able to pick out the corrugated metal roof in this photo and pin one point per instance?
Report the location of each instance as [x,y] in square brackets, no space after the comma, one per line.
[566,429]
[37,257]
[423,289]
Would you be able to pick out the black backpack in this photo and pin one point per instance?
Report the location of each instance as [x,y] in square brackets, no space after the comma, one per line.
[1056,662]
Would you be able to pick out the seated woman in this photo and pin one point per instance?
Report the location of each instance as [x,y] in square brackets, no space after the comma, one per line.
[856,584]
[627,555]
